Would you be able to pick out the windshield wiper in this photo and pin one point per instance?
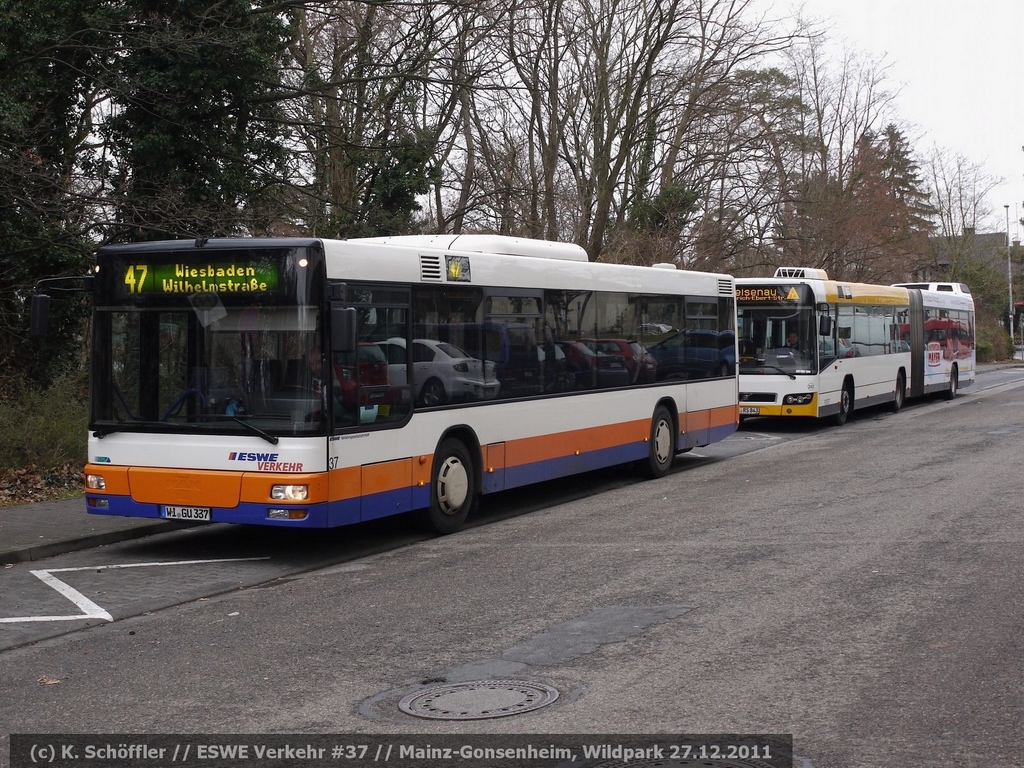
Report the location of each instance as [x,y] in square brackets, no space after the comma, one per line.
[759,367]
[272,439]
[781,370]
[102,432]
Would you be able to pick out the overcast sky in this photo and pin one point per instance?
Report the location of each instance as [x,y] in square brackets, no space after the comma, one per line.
[957,64]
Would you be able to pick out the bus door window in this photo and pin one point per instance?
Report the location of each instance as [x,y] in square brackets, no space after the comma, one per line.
[371,384]
[828,348]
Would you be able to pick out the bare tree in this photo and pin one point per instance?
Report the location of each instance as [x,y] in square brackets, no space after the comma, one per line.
[960,189]
[377,87]
[817,222]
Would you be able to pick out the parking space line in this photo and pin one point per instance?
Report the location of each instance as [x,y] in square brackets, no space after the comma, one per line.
[89,609]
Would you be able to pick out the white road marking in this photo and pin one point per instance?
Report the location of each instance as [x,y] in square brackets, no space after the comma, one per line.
[89,609]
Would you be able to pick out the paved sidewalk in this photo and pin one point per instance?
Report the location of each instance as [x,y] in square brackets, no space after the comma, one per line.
[47,528]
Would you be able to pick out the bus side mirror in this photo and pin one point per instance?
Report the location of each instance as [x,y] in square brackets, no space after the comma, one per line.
[825,325]
[40,324]
[343,329]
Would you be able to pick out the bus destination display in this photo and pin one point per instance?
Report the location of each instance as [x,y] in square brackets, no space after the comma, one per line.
[213,277]
[776,293]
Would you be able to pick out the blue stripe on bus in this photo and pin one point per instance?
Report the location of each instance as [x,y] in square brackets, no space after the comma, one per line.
[722,432]
[550,469]
[318,515]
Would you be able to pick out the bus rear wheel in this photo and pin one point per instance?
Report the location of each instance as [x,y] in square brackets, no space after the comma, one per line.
[453,492]
[954,383]
[662,444]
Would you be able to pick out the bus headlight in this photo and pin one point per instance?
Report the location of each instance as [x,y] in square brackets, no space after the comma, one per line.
[797,399]
[289,492]
[95,483]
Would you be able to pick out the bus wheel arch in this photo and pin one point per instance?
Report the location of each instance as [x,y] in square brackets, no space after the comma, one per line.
[845,402]
[954,382]
[663,442]
[455,481]
[900,395]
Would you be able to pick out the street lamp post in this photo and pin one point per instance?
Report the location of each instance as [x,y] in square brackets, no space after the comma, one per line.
[1009,277]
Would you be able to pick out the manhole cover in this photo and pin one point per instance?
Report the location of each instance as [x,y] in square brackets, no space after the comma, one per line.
[478,700]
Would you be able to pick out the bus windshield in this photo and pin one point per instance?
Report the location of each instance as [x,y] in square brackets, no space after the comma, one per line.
[777,340]
[213,341]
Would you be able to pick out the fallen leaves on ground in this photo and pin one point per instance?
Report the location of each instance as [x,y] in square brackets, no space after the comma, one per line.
[28,484]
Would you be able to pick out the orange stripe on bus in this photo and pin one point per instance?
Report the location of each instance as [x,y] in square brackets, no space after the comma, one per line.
[421,469]
[729,414]
[346,483]
[386,476]
[352,482]
[494,457]
[697,421]
[533,449]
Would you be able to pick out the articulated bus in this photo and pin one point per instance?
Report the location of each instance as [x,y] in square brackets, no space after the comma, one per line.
[318,383]
[810,346]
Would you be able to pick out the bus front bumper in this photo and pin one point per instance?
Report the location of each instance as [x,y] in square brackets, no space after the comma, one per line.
[809,408]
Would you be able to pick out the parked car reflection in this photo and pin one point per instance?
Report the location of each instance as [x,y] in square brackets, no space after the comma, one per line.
[695,354]
[638,361]
[594,369]
[442,372]
[364,391]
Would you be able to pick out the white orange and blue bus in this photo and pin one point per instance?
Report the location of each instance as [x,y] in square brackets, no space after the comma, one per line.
[815,347]
[318,383]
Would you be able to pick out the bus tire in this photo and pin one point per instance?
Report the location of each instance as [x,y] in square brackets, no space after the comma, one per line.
[662,445]
[901,393]
[453,492]
[954,383]
[845,404]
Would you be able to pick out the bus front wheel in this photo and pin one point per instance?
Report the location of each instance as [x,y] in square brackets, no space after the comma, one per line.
[662,445]
[453,487]
[901,393]
[845,404]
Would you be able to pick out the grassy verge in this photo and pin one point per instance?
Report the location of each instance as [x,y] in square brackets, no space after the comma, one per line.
[43,445]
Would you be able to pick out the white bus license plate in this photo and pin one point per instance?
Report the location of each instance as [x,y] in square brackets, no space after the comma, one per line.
[750,411]
[187,513]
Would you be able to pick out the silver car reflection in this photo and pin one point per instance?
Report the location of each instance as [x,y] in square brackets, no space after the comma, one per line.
[442,372]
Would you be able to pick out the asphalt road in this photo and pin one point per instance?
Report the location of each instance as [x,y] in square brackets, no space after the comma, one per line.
[858,587]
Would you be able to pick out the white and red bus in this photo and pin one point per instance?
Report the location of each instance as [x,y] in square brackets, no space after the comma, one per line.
[317,383]
[810,346]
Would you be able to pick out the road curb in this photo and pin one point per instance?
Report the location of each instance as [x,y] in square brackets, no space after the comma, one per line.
[51,549]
